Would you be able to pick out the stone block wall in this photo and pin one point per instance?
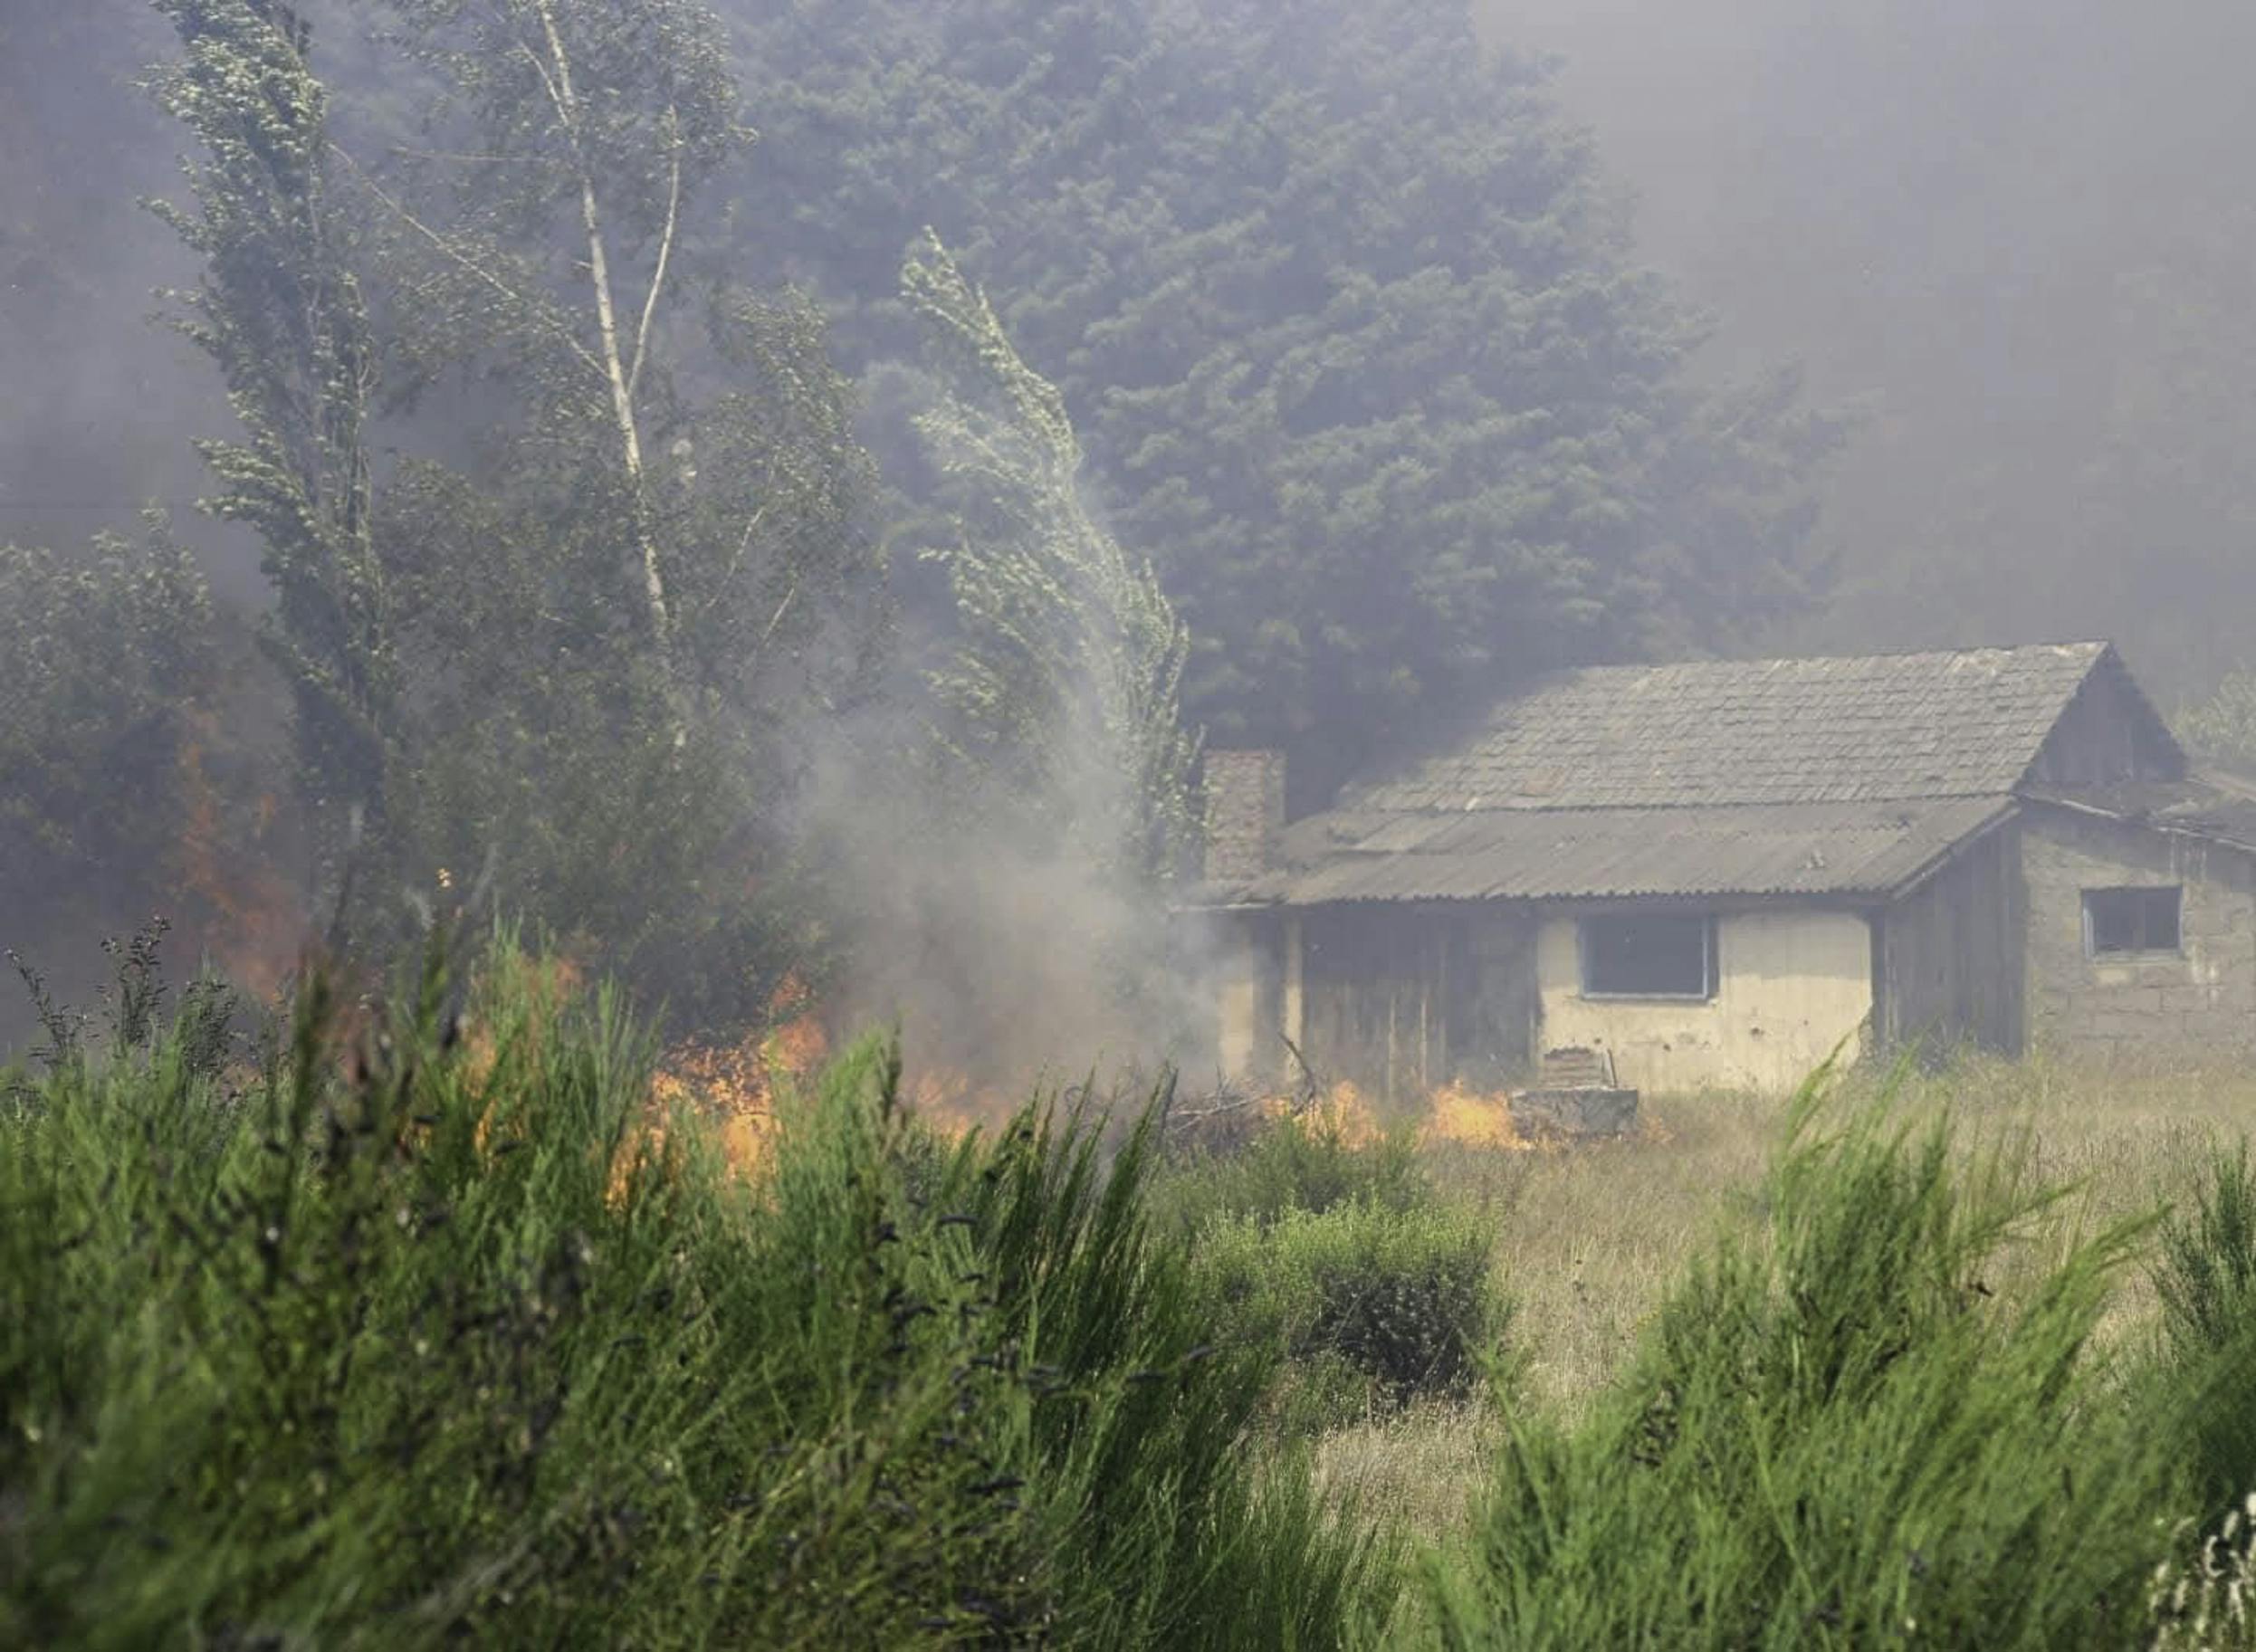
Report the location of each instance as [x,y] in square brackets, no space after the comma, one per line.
[1244,814]
[2200,1001]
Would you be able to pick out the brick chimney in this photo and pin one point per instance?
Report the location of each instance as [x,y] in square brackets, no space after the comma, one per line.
[1245,826]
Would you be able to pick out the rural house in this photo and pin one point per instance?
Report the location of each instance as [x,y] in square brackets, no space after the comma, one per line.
[1718,874]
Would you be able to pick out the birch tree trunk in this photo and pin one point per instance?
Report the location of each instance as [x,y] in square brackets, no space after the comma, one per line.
[621,375]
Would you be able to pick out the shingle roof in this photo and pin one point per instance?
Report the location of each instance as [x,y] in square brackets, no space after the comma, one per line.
[1826,777]
[1834,730]
[1844,849]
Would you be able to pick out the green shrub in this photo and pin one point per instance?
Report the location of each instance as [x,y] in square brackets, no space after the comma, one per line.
[1836,1434]
[1373,1306]
[118,782]
[419,1334]
[2205,1279]
[1294,1165]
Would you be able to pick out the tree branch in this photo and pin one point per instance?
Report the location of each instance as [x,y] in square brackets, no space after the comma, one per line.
[743,546]
[456,255]
[665,252]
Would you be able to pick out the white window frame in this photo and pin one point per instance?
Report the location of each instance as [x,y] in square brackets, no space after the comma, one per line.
[1711,967]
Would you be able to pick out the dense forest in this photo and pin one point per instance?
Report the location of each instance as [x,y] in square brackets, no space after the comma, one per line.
[1386,357]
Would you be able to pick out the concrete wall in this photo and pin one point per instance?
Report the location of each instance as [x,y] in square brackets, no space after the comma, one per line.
[2198,1001]
[1246,958]
[1793,983]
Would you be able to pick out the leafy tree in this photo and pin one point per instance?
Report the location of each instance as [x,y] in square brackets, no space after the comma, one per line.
[1335,299]
[2221,728]
[606,117]
[280,310]
[584,647]
[628,603]
[108,669]
[1068,678]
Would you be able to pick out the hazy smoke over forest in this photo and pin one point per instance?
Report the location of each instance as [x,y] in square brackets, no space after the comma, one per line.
[2010,234]
[2015,237]
[2008,241]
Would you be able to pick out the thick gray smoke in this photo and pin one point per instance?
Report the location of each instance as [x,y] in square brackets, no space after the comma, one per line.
[1001,951]
[2015,235]
[100,398]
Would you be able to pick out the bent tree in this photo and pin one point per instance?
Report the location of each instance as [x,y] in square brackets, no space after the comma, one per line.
[606,117]
[280,310]
[1068,674]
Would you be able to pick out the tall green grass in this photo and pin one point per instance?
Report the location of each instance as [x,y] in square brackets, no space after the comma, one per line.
[1293,1167]
[2205,1279]
[1845,1431]
[411,1332]
[409,1324]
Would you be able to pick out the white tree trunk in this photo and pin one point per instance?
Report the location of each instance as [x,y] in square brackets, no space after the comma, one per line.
[615,367]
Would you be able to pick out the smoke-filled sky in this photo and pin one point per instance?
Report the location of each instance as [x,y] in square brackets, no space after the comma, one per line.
[2015,237]
[101,402]
[2018,235]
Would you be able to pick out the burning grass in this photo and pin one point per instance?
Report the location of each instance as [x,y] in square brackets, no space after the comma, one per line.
[439,1343]
[423,1327]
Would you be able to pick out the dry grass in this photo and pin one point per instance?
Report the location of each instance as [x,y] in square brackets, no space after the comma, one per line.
[1418,1469]
[1589,1239]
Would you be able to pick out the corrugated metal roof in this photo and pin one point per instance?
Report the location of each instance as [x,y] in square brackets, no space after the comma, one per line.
[1777,849]
[2219,808]
[1825,730]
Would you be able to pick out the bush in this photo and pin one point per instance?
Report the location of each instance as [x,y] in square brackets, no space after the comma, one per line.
[422,1329]
[1836,1434]
[1294,1165]
[112,774]
[2205,1279]
[1374,1306]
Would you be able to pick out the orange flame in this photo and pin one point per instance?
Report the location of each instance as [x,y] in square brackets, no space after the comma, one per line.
[731,1089]
[257,928]
[1471,1119]
[954,1104]
[1456,1113]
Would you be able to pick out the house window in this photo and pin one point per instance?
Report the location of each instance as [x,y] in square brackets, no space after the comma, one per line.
[1655,955]
[2131,920]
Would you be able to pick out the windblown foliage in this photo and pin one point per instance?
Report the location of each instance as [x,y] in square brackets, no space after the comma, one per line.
[1065,681]
[280,310]
[584,650]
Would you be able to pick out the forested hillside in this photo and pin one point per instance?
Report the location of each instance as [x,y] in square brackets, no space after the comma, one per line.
[1362,356]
